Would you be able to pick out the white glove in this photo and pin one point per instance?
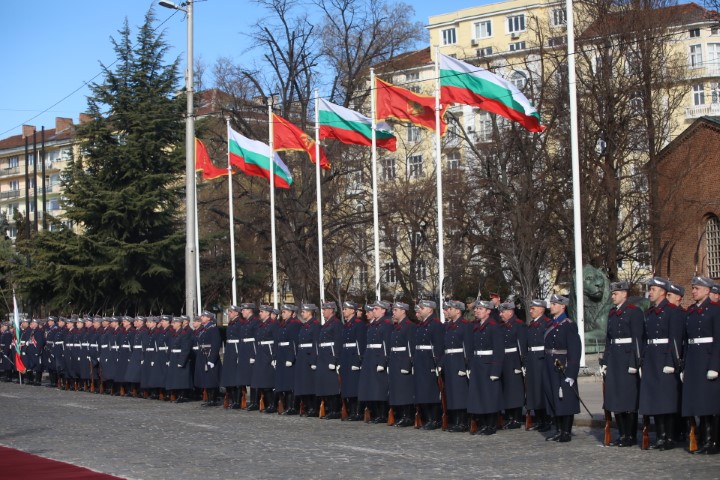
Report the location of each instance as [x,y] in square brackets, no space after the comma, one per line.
[211,365]
[331,366]
[179,366]
[354,368]
[668,370]
[313,367]
[380,368]
[468,373]
[632,371]
[524,371]
[273,363]
[570,381]
[712,375]
[682,376]
[142,362]
[516,371]
[603,370]
[252,360]
[462,373]
[167,364]
[288,363]
[152,364]
[439,369]
[494,378]
[404,372]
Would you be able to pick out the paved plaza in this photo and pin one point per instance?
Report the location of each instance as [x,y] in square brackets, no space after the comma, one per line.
[143,439]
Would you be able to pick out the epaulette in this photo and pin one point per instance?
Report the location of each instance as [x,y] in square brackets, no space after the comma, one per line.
[386,320]
[517,320]
[464,320]
[717,304]
[632,306]
[492,322]
[671,305]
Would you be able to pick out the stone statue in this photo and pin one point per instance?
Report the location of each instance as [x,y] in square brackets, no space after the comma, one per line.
[596,294]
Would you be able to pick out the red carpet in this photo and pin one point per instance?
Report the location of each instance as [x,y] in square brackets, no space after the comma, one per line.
[16,464]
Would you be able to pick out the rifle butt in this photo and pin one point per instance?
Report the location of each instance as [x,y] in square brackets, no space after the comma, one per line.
[473,425]
[500,421]
[226,400]
[322,408]
[344,411]
[243,398]
[528,421]
[262,401]
[366,415]
[692,436]
[281,405]
[204,395]
[645,433]
[608,423]
[418,417]
[391,417]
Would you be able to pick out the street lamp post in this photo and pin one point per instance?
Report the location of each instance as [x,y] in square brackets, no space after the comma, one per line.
[190,252]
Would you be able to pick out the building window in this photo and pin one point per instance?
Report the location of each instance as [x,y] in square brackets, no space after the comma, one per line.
[696,59]
[483,52]
[557,41]
[482,29]
[519,79]
[712,236]
[715,93]
[14,185]
[390,274]
[453,160]
[12,232]
[484,131]
[54,204]
[714,55]
[415,164]
[363,276]
[714,30]
[694,32]
[13,162]
[699,94]
[516,23]
[387,165]
[517,46]
[636,103]
[413,134]
[420,270]
[412,77]
[559,17]
[449,37]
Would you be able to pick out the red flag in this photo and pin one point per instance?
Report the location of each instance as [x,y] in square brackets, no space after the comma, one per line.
[19,365]
[287,136]
[406,106]
[204,164]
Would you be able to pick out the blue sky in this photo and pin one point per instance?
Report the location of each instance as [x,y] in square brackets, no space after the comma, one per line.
[50,48]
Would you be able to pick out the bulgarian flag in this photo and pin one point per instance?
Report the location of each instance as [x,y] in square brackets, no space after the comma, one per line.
[407,106]
[467,84]
[351,127]
[287,136]
[253,158]
[204,164]
[19,365]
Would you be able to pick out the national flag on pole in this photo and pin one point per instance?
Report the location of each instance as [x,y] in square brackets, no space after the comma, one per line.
[407,106]
[351,127]
[253,158]
[287,136]
[467,84]
[204,164]
[19,365]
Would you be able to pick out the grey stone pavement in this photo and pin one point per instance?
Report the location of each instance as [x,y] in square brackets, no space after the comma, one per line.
[143,439]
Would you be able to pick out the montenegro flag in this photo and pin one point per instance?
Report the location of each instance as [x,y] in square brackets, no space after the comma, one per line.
[405,106]
[287,136]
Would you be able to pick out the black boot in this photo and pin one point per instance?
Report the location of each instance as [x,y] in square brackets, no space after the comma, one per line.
[669,430]
[253,405]
[270,399]
[381,412]
[632,428]
[708,425]
[353,406]
[290,404]
[182,397]
[558,430]
[513,414]
[433,414]
[566,427]
[490,424]
[460,422]
[408,416]
[620,422]
[660,434]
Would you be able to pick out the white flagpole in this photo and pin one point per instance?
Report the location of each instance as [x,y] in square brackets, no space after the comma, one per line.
[577,223]
[231,213]
[376,227]
[197,252]
[272,205]
[438,177]
[319,202]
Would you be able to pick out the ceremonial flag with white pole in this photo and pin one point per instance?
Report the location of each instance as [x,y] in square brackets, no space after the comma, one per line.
[19,365]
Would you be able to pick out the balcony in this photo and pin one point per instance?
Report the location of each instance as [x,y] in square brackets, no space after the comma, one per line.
[9,171]
[9,194]
[705,70]
[698,111]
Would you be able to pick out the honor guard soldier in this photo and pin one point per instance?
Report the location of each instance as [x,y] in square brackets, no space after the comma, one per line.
[400,366]
[248,350]
[457,342]
[327,379]
[179,375]
[353,348]
[660,383]
[34,344]
[124,339]
[535,365]
[108,355]
[675,294]
[621,362]
[485,393]
[429,346]
[160,379]
[230,378]
[515,340]
[562,364]
[373,387]
[207,366]
[306,362]
[150,351]
[59,352]
[263,376]
[6,364]
[71,354]
[93,334]
[48,356]
[701,386]
[287,347]
[85,359]
[135,364]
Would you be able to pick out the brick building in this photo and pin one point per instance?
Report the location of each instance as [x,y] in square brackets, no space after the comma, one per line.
[689,199]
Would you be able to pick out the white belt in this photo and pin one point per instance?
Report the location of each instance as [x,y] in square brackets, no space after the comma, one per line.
[137,347]
[176,350]
[196,347]
[617,341]
[234,340]
[70,345]
[103,346]
[162,348]
[537,349]
[149,349]
[697,340]
[399,349]
[511,350]
[246,340]
[350,345]
[373,346]
[267,342]
[59,343]
[552,351]
[423,347]
[85,344]
[201,346]
[94,345]
[115,347]
[284,344]
[657,341]
[453,350]
[305,345]
[482,353]
[327,344]
[124,346]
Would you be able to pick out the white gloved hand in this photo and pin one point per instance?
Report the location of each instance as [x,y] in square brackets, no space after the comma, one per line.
[682,376]
[273,363]
[152,364]
[252,360]
[211,365]
[404,372]
[331,366]
[468,373]
[524,371]
[516,371]
[380,368]
[439,369]
[712,374]
[179,366]
[632,371]
[462,373]
[168,363]
[494,378]
[288,363]
[313,367]
[142,362]
[668,370]
[603,370]
[570,381]
[355,368]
